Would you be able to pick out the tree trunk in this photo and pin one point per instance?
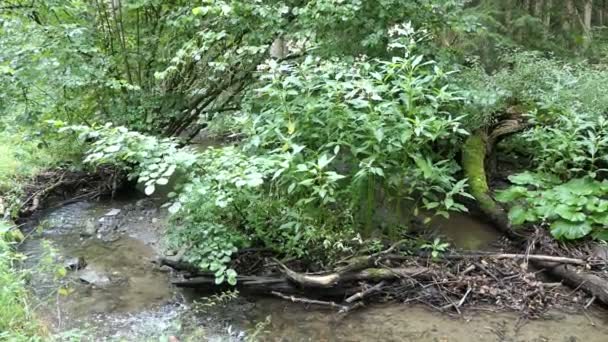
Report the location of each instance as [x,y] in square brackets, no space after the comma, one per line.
[569,19]
[526,6]
[547,18]
[588,15]
[509,15]
[538,8]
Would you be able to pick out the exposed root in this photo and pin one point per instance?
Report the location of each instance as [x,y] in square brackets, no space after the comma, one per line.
[66,186]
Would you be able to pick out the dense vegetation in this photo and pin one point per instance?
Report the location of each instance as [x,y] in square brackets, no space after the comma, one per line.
[339,119]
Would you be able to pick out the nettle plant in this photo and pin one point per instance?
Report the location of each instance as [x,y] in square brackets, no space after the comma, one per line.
[566,143]
[572,209]
[371,123]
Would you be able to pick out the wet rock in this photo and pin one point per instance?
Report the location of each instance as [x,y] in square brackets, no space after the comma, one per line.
[113,212]
[94,277]
[89,230]
[75,263]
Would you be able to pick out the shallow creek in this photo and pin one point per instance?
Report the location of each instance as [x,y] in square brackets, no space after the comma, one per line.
[128,298]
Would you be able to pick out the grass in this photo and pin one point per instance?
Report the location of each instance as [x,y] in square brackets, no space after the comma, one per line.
[17,321]
[20,160]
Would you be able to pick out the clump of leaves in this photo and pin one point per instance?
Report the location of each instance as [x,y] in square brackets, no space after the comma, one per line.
[437,248]
[572,210]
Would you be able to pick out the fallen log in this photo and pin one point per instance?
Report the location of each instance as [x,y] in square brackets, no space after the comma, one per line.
[578,279]
[349,274]
[346,286]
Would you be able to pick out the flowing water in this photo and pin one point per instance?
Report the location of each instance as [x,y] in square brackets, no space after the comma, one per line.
[131,299]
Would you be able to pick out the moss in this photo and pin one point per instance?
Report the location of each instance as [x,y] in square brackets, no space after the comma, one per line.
[473,163]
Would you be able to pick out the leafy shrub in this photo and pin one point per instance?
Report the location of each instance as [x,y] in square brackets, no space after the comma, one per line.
[573,145]
[573,210]
[322,139]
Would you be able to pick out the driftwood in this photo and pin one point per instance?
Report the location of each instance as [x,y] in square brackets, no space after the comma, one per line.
[294,299]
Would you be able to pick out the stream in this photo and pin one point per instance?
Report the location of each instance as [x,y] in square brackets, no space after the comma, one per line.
[117,294]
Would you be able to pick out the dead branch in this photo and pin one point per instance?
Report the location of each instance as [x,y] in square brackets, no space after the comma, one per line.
[342,308]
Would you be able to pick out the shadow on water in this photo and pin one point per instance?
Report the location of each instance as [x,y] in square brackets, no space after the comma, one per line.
[139,304]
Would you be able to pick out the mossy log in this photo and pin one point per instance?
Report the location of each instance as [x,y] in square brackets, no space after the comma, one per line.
[474,154]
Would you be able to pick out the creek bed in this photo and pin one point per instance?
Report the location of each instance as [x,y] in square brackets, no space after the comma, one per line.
[137,302]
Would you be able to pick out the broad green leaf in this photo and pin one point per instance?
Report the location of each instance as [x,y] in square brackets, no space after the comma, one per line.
[323,161]
[527,178]
[175,207]
[569,213]
[112,149]
[149,190]
[518,215]
[511,194]
[562,229]
[581,186]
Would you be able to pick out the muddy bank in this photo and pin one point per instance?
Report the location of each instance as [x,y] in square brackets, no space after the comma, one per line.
[396,322]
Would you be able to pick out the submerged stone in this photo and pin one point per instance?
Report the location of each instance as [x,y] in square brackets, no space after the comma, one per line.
[94,277]
[89,230]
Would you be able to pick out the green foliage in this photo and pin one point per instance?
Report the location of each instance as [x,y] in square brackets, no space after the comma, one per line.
[437,248]
[17,321]
[322,138]
[573,209]
[370,121]
[149,160]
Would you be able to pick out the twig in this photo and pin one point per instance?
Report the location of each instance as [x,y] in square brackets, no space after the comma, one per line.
[362,294]
[459,304]
[468,269]
[310,301]
[590,302]
[486,271]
